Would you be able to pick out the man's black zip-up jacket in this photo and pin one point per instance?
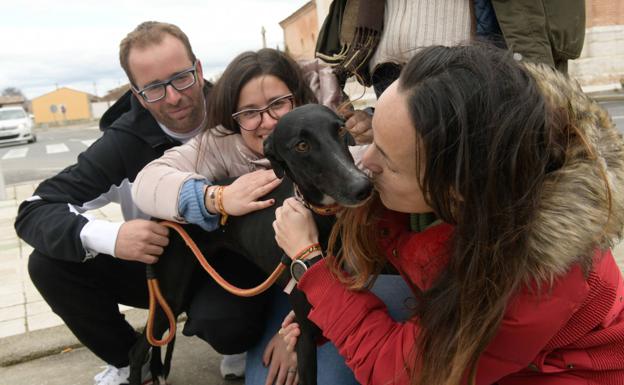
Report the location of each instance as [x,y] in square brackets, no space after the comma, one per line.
[51,220]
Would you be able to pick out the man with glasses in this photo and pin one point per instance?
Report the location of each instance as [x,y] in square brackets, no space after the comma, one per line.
[84,267]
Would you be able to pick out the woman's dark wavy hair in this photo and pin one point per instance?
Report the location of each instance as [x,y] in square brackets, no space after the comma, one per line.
[485,130]
[223,98]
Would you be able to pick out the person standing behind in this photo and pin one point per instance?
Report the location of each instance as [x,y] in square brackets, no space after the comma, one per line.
[85,267]
[556,33]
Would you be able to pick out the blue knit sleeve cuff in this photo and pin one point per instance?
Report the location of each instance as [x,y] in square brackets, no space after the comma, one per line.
[192,208]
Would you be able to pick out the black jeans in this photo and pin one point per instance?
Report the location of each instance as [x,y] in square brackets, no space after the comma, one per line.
[86,296]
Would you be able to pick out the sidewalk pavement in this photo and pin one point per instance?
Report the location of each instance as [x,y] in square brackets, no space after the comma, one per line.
[37,349]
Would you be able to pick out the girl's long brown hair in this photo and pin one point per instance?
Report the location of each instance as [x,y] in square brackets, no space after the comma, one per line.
[490,141]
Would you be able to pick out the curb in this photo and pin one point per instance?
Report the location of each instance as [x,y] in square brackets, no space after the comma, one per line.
[41,343]
[607,98]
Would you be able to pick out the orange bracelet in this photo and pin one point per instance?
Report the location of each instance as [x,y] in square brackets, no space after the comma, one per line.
[219,205]
[307,251]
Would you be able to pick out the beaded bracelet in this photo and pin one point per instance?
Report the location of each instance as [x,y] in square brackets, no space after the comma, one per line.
[307,251]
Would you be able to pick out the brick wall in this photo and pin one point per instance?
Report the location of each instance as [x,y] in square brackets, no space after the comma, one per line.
[604,12]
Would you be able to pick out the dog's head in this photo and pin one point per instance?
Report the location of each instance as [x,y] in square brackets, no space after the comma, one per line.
[309,146]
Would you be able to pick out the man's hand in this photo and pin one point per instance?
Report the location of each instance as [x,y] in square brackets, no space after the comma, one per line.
[141,240]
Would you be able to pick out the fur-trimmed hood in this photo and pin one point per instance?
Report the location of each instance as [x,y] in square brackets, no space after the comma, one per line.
[577,212]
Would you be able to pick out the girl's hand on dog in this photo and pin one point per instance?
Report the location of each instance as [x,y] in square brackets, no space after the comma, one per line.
[290,331]
[242,196]
[294,227]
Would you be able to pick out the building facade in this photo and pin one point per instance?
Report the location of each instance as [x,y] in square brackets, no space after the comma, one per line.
[300,32]
[62,105]
[600,66]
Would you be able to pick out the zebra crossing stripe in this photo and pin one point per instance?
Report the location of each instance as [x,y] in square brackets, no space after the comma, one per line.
[15,153]
[56,148]
[88,142]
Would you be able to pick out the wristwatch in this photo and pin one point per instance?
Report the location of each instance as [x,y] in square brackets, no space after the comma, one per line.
[299,266]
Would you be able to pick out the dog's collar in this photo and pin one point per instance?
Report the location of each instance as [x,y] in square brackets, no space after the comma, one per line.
[320,210]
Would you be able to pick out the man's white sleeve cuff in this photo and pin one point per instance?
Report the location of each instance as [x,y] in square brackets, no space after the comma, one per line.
[99,237]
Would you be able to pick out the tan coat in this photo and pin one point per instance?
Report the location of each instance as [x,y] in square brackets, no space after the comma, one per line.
[209,156]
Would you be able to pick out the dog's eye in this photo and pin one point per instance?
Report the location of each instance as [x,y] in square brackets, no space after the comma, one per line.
[302,147]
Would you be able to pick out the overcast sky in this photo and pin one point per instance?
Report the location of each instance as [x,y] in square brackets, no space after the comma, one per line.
[45,44]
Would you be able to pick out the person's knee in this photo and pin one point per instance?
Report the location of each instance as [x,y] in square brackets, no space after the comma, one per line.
[57,281]
[226,336]
[40,269]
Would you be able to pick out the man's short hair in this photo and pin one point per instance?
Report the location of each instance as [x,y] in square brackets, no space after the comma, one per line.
[146,34]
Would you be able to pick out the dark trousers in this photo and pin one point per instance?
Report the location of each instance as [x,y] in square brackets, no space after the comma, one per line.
[86,296]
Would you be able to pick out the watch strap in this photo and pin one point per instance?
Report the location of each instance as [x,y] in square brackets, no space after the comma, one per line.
[298,267]
[311,261]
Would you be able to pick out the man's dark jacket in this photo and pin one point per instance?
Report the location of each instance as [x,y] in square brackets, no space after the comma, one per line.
[51,220]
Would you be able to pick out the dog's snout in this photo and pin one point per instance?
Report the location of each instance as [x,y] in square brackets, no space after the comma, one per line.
[363,189]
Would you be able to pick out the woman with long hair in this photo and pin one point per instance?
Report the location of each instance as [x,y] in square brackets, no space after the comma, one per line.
[513,278]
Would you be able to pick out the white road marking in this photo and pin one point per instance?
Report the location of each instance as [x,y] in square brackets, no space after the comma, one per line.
[56,148]
[15,153]
[88,142]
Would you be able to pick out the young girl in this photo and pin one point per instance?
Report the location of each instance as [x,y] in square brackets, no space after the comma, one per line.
[255,90]
[514,282]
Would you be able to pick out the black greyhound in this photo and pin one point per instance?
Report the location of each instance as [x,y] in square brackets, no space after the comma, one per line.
[310,151]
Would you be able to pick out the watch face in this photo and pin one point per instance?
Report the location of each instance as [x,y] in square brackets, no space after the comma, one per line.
[297,268]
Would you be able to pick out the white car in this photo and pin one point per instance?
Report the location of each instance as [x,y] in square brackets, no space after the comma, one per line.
[15,126]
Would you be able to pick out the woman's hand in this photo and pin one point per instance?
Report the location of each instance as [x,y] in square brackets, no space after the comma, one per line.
[359,124]
[241,197]
[282,363]
[290,331]
[294,227]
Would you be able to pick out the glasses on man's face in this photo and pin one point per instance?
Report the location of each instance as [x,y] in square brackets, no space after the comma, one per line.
[250,119]
[180,82]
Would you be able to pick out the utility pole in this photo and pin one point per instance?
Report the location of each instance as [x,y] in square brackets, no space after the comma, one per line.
[95,88]
[263,32]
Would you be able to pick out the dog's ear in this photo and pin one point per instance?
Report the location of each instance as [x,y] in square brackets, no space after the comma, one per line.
[269,152]
[346,136]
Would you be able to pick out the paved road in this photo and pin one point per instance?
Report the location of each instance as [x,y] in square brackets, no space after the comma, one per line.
[55,149]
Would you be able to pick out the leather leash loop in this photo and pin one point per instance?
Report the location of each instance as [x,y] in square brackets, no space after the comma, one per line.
[156,297]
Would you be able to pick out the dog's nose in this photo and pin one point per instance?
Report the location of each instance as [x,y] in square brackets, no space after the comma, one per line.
[363,189]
